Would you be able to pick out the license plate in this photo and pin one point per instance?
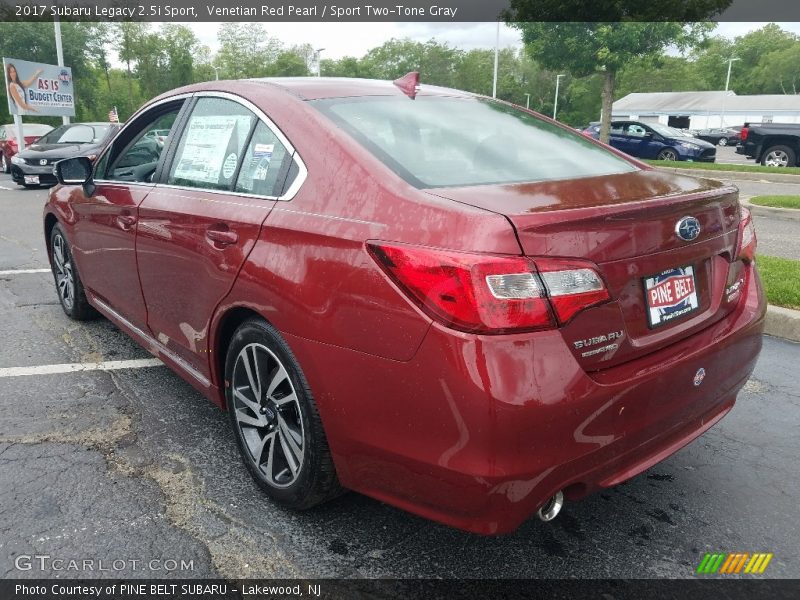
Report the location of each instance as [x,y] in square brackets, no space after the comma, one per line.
[670,295]
[32,179]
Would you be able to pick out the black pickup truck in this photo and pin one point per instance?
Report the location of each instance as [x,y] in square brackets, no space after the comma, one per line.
[771,144]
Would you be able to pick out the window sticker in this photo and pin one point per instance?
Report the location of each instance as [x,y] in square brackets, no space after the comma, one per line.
[229,166]
[207,141]
[262,155]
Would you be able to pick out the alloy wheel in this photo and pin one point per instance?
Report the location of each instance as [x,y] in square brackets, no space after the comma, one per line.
[723,141]
[668,155]
[268,415]
[65,279]
[777,158]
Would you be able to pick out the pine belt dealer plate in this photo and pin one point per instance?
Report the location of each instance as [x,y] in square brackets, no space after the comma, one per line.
[670,295]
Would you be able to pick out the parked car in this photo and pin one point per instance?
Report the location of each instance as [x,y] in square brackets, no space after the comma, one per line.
[719,137]
[656,141]
[8,141]
[34,166]
[771,144]
[159,135]
[447,303]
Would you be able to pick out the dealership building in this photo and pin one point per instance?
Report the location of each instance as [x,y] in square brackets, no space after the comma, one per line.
[704,110]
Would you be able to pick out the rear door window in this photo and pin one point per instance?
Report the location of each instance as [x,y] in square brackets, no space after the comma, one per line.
[211,145]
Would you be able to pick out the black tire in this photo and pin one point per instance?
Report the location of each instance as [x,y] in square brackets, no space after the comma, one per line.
[781,154]
[72,296]
[668,154]
[259,345]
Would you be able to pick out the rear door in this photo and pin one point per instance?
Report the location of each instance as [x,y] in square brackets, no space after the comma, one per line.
[199,224]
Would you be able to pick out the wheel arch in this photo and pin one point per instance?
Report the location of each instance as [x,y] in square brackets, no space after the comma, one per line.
[50,221]
[227,322]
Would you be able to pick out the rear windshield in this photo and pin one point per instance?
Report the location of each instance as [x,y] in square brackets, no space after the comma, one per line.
[449,142]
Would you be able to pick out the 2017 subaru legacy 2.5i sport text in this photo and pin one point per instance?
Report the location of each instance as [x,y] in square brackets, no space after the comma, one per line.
[445,302]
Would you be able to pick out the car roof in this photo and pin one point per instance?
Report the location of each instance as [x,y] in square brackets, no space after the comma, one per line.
[315,88]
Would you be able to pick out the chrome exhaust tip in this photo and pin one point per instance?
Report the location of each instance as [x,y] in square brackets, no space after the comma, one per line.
[551,508]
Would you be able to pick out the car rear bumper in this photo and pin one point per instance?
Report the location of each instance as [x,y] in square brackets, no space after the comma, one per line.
[477,432]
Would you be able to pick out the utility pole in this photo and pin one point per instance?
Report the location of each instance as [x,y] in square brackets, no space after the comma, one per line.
[319,61]
[496,54]
[725,95]
[528,101]
[555,105]
[59,54]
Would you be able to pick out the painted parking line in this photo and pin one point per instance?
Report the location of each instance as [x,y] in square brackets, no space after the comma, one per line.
[23,271]
[108,365]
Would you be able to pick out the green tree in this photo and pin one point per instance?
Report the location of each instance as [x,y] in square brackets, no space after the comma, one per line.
[586,48]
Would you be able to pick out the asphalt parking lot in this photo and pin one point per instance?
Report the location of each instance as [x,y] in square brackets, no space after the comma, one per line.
[134,465]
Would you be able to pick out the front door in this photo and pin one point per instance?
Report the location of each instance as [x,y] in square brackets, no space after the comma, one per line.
[104,235]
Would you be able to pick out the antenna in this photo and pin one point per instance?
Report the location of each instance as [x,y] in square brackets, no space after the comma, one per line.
[409,84]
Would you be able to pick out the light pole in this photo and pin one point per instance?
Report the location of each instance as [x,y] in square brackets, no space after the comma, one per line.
[555,105]
[725,95]
[528,101]
[496,55]
[319,61]
[216,72]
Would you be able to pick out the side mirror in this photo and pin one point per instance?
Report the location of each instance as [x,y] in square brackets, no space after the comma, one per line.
[76,171]
[648,135]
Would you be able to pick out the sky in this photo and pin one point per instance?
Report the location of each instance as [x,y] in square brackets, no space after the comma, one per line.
[355,39]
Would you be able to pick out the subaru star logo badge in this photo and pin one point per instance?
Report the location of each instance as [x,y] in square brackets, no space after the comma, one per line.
[699,376]
[43,162]
[688,228]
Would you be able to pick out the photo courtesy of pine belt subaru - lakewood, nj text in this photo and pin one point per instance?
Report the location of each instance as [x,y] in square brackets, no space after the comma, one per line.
[442,301]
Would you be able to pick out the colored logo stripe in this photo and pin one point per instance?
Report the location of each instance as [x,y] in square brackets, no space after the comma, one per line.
[735,562]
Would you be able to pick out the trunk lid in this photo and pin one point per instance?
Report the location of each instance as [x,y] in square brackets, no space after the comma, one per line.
[627,225]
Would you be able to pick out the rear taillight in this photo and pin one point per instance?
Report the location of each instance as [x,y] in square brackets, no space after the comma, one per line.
[744,133]
[571,286]
[481,293]
[746,249]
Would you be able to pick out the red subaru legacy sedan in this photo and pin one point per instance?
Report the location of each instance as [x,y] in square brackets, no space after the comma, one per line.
[442,301]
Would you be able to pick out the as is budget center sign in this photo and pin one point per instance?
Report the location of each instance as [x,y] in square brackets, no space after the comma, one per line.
[38,89]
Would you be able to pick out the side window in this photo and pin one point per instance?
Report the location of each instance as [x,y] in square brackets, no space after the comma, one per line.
[135,155]
[262,168]
[211,145]
[636,131]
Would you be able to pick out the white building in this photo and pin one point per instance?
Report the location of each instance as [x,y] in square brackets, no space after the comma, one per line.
[705,110]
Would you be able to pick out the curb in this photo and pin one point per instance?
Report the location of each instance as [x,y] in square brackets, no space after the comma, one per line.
[719,175]
[770,211]
[783,323]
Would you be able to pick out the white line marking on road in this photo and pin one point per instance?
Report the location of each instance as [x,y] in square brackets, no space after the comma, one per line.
[23,271]
[108,365]
[2,187]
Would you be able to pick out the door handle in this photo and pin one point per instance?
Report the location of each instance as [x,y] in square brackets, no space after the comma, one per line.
[223,237]
[125,222]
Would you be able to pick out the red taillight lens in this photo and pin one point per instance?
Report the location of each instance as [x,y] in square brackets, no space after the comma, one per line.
[744,133]
[746,250]
[490,294]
